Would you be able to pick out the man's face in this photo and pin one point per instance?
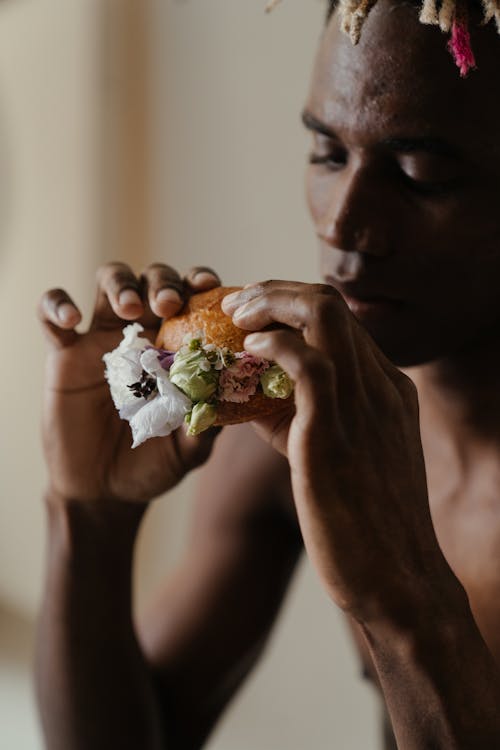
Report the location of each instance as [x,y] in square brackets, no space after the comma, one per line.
[404,184]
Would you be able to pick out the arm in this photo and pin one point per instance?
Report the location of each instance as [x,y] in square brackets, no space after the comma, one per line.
[90,671]
[209,623]
[93,684]
[440,682]
[359,485]
[100,685]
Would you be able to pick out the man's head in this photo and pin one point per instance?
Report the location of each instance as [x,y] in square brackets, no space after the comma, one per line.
[404,188]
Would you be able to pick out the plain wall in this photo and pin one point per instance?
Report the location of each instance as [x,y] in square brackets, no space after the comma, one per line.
[227,158]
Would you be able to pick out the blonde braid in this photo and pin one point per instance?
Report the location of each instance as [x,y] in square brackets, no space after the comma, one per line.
[429,13]
[446,15]
[450,15]
[346,11]
[353,14]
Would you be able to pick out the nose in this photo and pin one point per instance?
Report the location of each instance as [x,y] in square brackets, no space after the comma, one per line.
[353,215]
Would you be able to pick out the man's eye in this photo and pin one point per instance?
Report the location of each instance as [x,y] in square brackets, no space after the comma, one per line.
[428,175]
[427,187]
[334,158]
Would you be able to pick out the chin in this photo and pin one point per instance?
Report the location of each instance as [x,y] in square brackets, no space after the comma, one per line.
[411,348]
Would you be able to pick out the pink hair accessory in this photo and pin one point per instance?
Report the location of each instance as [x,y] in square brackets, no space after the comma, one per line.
[460,47]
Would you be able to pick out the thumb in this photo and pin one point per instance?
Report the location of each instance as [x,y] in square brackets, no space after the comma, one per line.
[59,316]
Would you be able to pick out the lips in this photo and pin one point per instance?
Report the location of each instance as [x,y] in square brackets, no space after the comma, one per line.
[370,308]
[366,301]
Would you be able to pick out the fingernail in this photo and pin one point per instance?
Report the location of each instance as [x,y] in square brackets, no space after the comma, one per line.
[253,339]
[229,303]
[129,297]
[66,312]
[168,296]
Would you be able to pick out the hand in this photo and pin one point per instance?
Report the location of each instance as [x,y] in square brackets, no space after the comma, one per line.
[353,445]
[87,445]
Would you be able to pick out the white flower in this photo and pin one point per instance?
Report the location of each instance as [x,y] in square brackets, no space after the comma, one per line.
[123,368]
[160,416]
[161,412]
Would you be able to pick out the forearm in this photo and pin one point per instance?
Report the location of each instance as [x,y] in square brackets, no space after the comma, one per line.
[440,682]
[94,687]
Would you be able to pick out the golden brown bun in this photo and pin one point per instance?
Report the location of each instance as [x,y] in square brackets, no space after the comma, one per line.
[203,312]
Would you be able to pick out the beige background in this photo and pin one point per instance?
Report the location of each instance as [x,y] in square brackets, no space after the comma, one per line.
[222,186]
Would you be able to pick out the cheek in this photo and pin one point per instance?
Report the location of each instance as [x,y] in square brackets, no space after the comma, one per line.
[317,195]
[463,234]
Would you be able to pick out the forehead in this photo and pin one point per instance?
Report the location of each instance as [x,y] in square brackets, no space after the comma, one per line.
[400,80]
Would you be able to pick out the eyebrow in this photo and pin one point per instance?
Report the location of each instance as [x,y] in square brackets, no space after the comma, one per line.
[312,123]
[401,145]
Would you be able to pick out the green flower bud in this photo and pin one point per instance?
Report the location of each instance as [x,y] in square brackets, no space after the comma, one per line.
[201,418]
[192,373]
[276,383]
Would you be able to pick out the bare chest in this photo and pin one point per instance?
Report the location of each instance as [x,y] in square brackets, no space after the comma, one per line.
[466,517]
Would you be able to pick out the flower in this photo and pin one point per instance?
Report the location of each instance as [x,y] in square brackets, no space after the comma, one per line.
[192,373]
[141,389]
[239,381]
[201,418]
[276,383]
[123,368]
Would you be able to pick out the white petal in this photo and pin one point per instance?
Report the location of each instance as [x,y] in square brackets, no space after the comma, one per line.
[123,366]
[150,362]
[127,411]
[131,338]
[159,417]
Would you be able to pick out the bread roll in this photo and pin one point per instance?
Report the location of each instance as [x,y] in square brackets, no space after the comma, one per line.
[203,312]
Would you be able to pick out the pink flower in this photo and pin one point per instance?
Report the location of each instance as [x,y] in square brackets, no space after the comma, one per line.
[239,381]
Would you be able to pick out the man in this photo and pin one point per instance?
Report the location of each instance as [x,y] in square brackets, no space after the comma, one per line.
[398,510]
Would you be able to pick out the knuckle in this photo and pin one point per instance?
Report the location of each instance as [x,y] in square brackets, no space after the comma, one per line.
[114,272]
[266,287]
[162,271]
[408,389]
[55,295]
[108,269]
[122,279]
[315,366]
[158,276]
[195,270]
[328,291]
[323,311]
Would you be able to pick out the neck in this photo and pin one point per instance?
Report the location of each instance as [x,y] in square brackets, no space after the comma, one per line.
[461,393]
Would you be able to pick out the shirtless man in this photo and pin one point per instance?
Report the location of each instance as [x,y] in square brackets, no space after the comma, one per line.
[403,188]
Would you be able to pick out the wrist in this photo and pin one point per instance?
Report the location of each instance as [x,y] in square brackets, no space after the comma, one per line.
[439,680]
[76,526]
[434,606]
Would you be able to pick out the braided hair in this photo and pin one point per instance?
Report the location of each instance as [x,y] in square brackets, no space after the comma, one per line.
[452,17]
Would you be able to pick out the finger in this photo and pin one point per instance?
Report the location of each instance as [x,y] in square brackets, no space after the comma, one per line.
[235,300]
[201,279]
[316,311]
[314,375]
[59,315]
[162,290]
[118,296]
